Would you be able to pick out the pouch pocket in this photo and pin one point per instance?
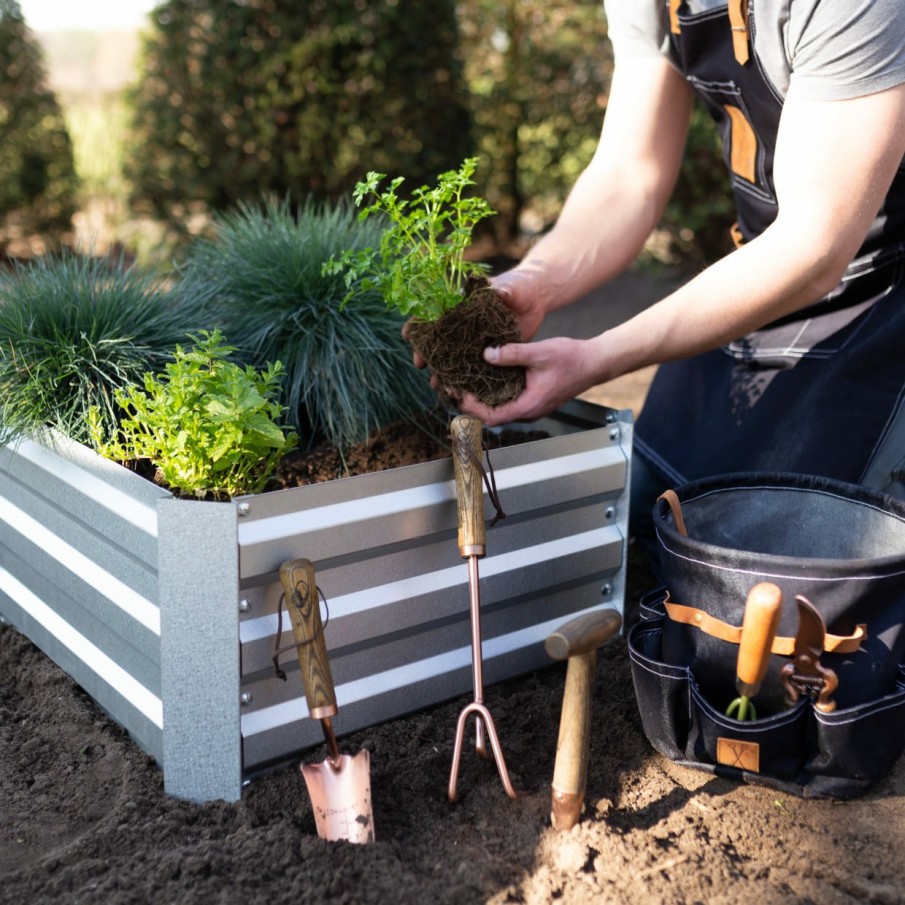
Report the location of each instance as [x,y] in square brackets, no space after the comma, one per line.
[771,748]
[855,747]
[800,751]
[660,689]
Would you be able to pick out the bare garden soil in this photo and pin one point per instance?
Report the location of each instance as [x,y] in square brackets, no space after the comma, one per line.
[84,818]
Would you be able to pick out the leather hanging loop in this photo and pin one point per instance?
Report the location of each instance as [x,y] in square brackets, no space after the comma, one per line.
[672,499]
[738,22]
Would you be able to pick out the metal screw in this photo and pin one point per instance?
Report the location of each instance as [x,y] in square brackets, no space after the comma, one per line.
[244,606]
[245,698]
[610,417]
[243,509]
[610,512]
[614,433]
[606,590]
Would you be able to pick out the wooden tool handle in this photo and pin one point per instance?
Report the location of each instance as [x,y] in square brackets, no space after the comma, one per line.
[300,590]
[466,434]
[570,770]
[582,634]
[576,641]
[762,610]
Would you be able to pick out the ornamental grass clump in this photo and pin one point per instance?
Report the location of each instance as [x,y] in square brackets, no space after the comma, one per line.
[209,426]
[260,279]
[420,270]
[74,329]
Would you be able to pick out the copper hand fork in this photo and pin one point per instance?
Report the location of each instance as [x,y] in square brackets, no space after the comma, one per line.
[466,448]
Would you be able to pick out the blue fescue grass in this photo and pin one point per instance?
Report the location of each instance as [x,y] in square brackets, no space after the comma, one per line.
[74,329]
[260,281]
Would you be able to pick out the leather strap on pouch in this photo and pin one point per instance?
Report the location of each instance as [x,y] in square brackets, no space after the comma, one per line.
[710,625]
[784,646]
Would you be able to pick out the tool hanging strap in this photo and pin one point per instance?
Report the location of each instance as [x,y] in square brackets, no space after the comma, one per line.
[487,475]
[295,645]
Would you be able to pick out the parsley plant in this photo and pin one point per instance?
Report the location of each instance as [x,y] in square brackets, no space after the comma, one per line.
[419,268]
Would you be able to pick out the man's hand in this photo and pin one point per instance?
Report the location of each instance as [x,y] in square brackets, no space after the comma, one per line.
[521,292]
[557,370]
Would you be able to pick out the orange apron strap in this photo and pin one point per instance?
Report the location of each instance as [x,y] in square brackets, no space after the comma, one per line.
[738,21]
[674,16]
[785,647]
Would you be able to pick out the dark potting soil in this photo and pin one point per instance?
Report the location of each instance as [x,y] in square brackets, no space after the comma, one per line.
[405,442]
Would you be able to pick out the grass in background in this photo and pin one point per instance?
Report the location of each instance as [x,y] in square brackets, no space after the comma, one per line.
[97,125]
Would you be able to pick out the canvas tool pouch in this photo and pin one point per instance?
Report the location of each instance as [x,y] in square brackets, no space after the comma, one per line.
[840,546]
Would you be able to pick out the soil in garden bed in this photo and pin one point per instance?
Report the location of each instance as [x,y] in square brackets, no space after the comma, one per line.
[422,438]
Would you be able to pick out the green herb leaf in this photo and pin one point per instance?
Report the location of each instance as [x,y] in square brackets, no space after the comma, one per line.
[206,422]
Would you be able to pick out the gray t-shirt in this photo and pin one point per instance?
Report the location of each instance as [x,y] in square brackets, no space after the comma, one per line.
[828,50]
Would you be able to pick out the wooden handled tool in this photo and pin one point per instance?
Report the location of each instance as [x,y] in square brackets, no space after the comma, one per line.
[300,590]
[761,620]
[576,641]
[340,786]
[467,447]
[466,435]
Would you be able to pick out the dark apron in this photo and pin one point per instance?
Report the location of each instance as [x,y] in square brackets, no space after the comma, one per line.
[821,392]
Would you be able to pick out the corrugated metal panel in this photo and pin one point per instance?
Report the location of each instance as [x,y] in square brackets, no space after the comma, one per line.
[384,547]
[138,595]
[78,574]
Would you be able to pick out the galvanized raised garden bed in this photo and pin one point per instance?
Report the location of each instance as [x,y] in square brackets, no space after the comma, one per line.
[164,610]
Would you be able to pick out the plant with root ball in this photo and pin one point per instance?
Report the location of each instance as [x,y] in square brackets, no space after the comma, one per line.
[420,270]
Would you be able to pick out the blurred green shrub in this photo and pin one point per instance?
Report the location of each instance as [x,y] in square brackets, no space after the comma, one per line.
[37,176]
[237,99]
[538,73]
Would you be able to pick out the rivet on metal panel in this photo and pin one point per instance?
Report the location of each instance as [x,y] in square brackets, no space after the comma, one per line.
[610,417]
[606,589]
[614,433]
[242,509]
[245,699]
[610,512]
[244,606]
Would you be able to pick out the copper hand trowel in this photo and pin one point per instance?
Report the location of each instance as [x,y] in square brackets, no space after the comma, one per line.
[340,787]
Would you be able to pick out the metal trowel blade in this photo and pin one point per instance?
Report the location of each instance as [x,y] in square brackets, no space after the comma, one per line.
[341,797]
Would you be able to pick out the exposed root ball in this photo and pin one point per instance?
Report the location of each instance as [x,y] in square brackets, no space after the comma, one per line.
[453,346]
